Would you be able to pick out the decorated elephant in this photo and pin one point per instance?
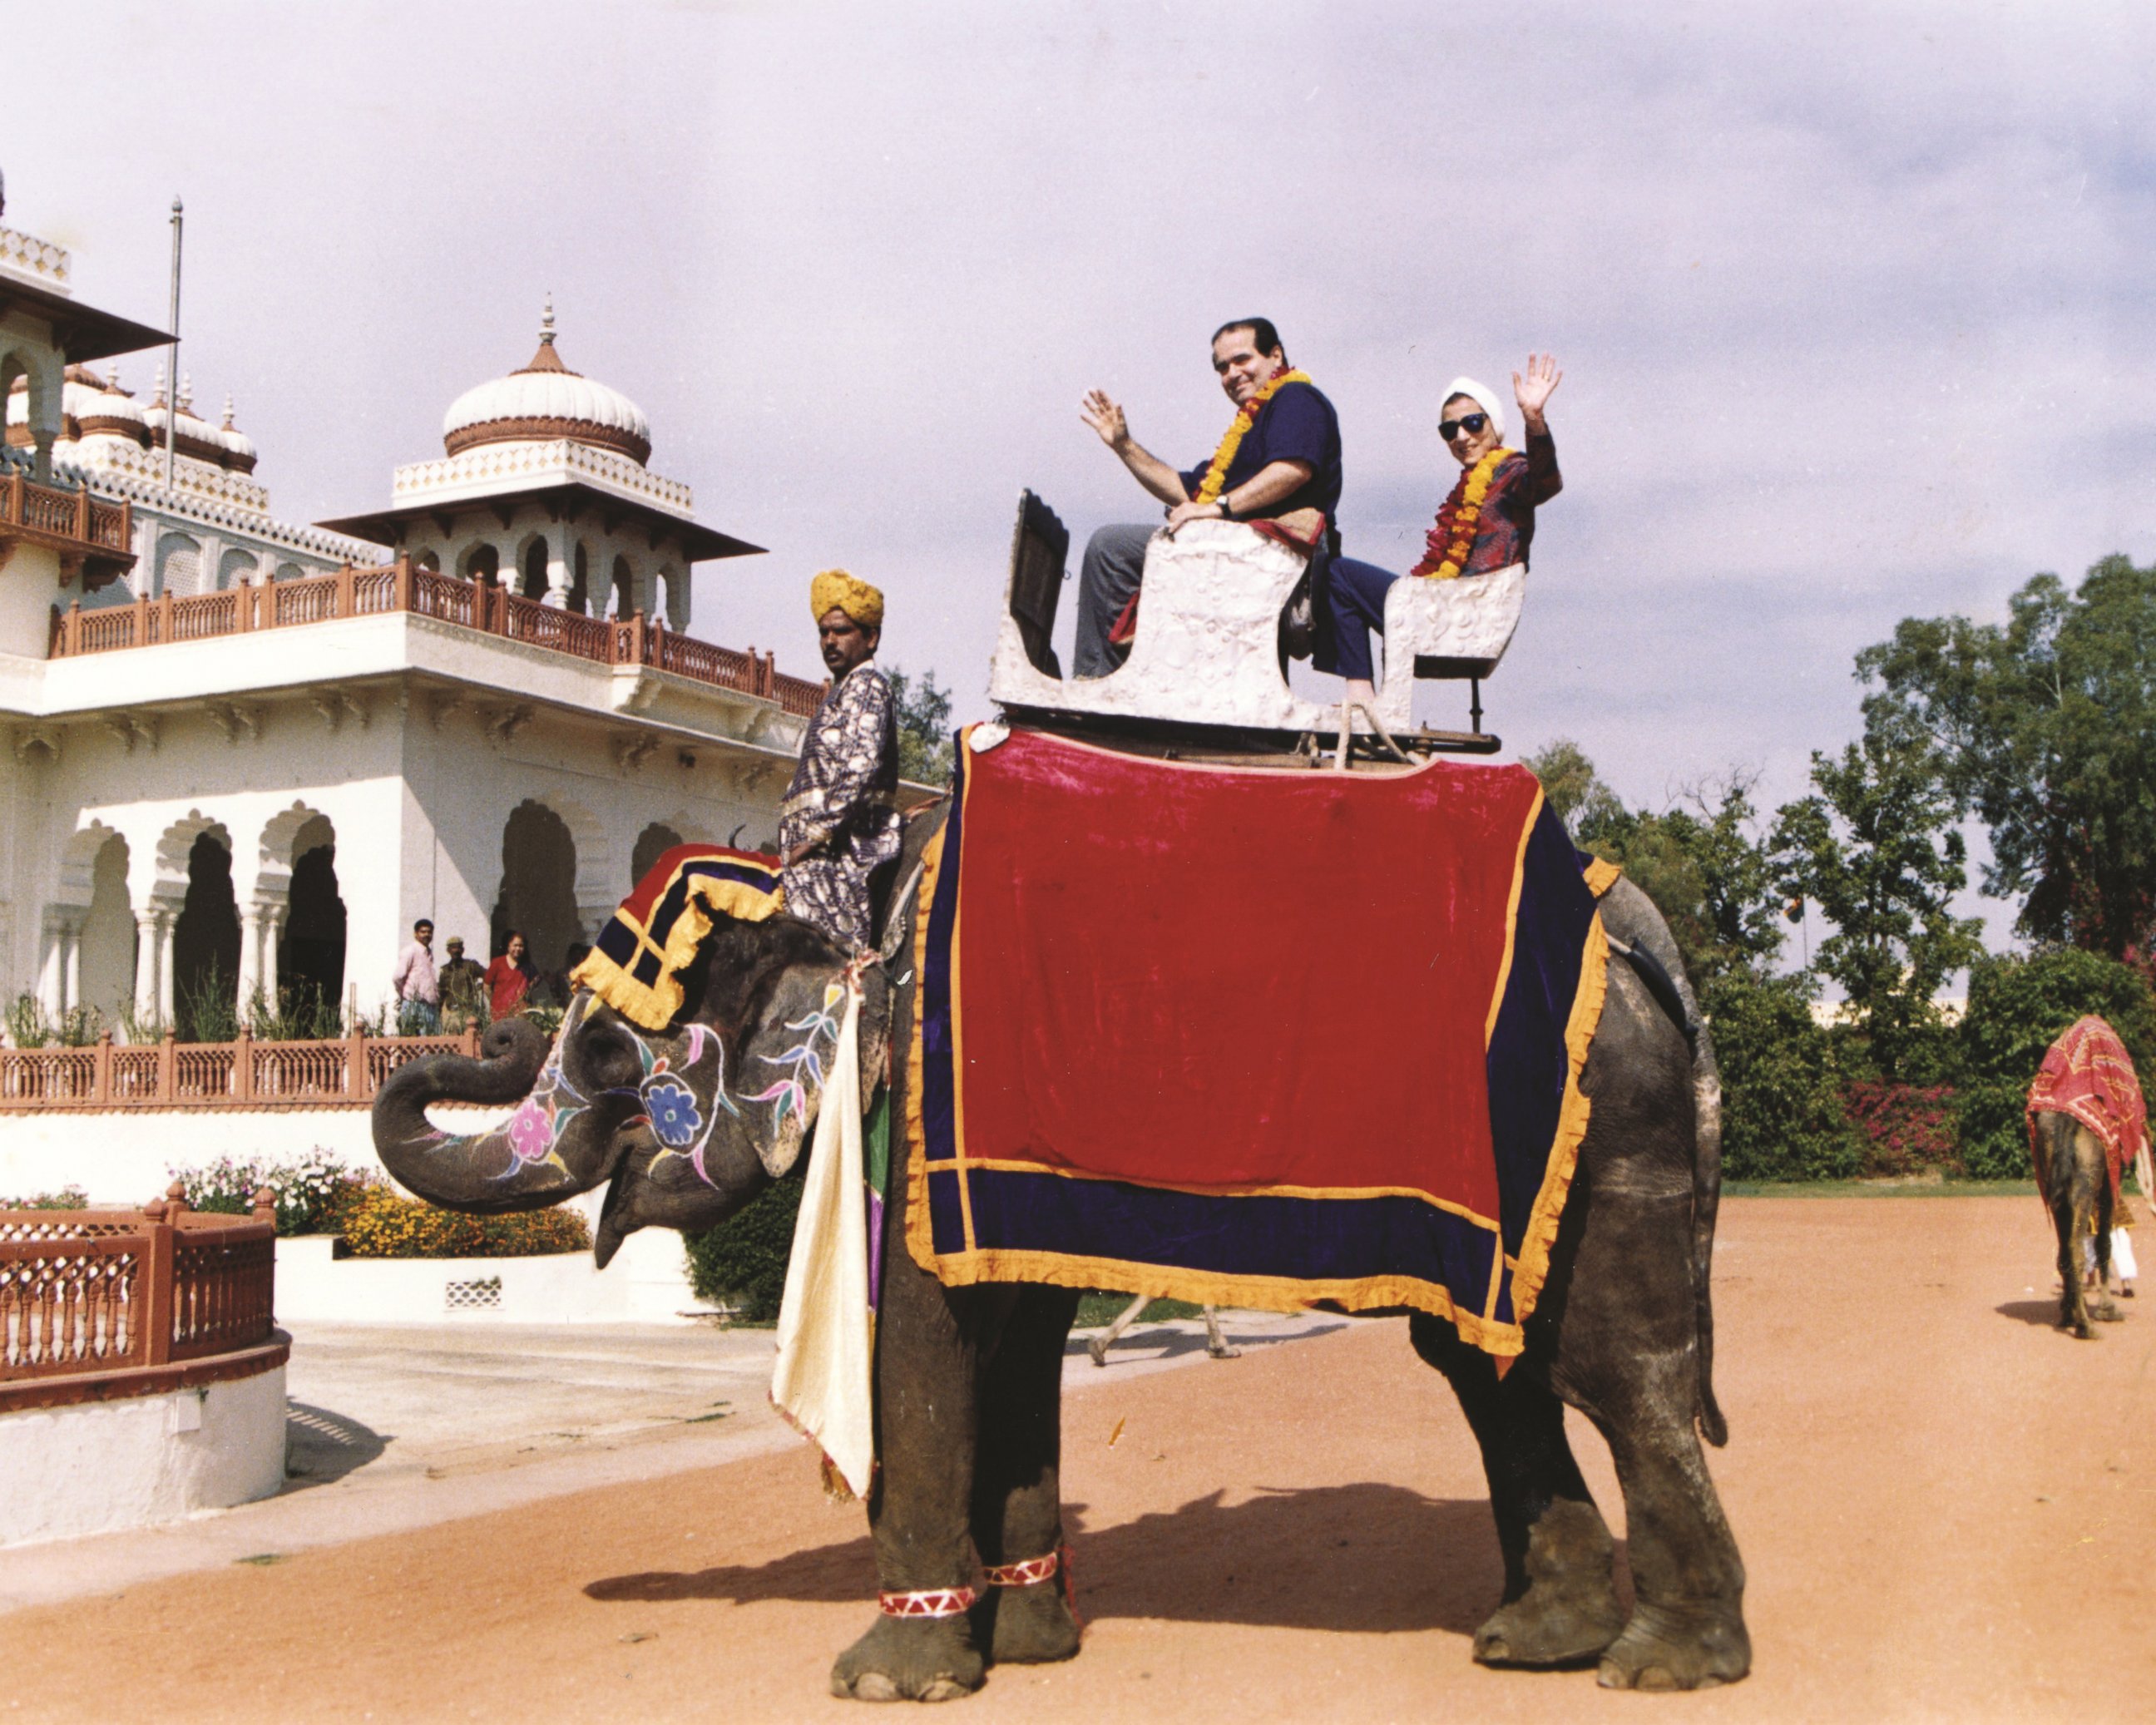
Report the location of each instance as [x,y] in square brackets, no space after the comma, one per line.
[686,1125]
[2086,1122]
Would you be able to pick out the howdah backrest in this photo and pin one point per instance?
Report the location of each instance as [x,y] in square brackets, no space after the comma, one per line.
[1040,547]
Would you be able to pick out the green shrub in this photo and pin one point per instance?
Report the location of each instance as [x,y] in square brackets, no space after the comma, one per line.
[315,1192]
[2017,1007]
[743,1260]
[381,1224]
[1782,1114]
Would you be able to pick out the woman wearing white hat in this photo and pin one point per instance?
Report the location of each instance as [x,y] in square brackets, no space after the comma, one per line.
[1487,522]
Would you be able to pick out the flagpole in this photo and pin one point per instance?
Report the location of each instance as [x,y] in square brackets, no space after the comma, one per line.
[173,356]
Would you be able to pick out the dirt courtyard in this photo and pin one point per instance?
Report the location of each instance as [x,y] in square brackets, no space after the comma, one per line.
[1947,1507]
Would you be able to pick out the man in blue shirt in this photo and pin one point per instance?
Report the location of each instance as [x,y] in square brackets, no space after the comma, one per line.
[1281,456]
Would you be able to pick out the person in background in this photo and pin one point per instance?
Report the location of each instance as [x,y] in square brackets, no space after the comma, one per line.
[419,995]
[509,979]
[463,981]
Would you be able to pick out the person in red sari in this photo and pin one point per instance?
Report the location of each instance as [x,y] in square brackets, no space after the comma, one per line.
[1486,523]
[509,979]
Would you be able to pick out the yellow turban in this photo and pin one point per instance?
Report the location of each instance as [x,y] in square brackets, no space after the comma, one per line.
[836,588]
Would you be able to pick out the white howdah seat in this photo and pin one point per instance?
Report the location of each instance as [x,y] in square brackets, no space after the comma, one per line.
[1207,648]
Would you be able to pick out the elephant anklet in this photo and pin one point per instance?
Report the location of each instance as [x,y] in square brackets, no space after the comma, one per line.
[928,1602]
[1034,1571]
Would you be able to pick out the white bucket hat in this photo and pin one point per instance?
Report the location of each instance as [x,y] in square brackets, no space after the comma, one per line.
[1482,396]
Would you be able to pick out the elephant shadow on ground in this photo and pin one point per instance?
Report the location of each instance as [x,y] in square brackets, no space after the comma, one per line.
[1377,1558]
[320,1447]
[2042,1313]
[1150,1341]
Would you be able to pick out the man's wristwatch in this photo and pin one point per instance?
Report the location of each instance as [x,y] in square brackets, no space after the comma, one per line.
[1227,509]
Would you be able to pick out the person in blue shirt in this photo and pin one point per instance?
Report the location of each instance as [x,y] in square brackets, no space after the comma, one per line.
[1280,457]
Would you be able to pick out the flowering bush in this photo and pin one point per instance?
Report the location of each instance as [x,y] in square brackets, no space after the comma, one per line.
[1906,1128]
[381,1224]
[67,1198]
[315,1192]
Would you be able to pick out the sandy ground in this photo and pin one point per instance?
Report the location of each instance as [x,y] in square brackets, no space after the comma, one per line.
[1946,1506]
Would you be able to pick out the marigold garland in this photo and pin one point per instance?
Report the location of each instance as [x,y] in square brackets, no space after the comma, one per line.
[1452,539]
[1224,457]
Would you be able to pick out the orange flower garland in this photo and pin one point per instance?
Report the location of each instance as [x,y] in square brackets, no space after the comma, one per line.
[1452,539]
[1246,416]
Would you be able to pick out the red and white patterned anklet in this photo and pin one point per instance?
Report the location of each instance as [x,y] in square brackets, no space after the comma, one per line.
[1030,1574]
[929,1602]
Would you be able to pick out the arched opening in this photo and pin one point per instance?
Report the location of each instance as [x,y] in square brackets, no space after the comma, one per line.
[580,583]
[236,568]
[289,572]
[654,842]
[483,563]
[624,589]
[205,946]
[538,896]
[179,564]
[310,956]
[533,586]
[108,934]
[431,562]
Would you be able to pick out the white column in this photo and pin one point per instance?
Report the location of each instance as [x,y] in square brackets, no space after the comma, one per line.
[71,970]
[559,572]
[250,953]
[168,922]
[273,935]
[147,947]
[677,600]
[52,977]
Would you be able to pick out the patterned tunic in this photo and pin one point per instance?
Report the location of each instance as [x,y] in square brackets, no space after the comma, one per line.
[844,797]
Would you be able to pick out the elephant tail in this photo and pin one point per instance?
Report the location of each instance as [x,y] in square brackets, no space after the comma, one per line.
[1706,1202]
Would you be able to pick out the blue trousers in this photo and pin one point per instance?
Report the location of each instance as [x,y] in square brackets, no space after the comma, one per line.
[1355,595]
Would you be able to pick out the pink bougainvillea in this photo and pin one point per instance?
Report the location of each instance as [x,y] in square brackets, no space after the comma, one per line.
[1906,1128]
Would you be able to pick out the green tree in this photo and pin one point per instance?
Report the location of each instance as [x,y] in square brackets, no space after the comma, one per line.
[1699,861]
[1782,1116]
[2046,728]
[2017,1007]
[924,727]
[1874,847]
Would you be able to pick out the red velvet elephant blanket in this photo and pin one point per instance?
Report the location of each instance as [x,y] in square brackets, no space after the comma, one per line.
[2088,1074]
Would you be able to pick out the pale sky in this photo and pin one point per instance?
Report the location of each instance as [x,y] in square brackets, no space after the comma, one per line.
[1849,299]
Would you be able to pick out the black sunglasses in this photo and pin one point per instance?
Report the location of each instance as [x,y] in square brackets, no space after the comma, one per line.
[1472,424]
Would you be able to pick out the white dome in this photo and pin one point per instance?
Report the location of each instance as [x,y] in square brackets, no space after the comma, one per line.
[544,403]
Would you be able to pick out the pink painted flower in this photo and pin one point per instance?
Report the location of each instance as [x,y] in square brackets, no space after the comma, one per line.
[531,1130]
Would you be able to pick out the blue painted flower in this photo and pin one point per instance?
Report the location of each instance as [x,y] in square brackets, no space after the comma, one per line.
[672,1109]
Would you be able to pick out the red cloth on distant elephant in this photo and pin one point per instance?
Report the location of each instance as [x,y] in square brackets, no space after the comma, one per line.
[2088,1074]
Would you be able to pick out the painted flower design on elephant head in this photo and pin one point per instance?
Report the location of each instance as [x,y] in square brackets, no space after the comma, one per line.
[671,1107]
[536,1128]
[804,1065]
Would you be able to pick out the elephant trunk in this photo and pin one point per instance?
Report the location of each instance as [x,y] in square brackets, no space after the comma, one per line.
[485,1172]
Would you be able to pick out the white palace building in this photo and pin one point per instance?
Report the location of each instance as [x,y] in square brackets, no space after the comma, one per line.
[242,749]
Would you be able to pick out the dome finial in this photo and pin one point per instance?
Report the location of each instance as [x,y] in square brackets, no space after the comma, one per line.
[157,399]
[187,396]
[227,410]
[546,321]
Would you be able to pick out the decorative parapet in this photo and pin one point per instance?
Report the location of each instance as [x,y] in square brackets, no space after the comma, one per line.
[72,522]
[100,1304]
[190,477]
[141,478]
[632,643]
[492,469]
[39,261]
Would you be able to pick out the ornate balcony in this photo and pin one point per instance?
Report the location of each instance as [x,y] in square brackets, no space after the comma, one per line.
[94,538]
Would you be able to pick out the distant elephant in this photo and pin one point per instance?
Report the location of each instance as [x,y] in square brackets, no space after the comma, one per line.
[2076,1190]
[968,1380]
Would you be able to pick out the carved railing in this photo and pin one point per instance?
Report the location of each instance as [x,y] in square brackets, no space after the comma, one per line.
[402,586]
[90,1294]
[71,521]
[344,1072]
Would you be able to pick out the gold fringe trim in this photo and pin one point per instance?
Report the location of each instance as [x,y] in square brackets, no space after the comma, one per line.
[1511,918]
[1600,875]
[920,1233]
[1541,1233]
[651,1006]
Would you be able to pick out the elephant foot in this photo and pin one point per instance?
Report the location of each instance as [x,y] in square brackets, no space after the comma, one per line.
[911,1659]
[1663,1649]
[2104,1312]
[1027,1626]
[1570,1612]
